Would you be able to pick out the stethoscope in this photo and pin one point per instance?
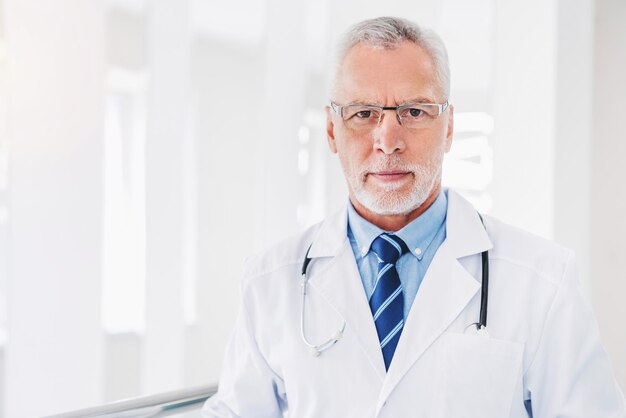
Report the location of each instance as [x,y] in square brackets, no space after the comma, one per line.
[478,328]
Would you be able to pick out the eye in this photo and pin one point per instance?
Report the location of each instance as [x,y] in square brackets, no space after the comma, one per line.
[361,114]
[414,112]
[364,114]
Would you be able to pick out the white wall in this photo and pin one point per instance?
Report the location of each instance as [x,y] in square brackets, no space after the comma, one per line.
[169,139]
[56,88]
[524,97]
[608,194]
[227,172]
[573,120]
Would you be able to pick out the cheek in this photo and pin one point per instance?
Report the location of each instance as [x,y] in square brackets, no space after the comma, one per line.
[352,167]
[358,148]
[348,161]
[430,146]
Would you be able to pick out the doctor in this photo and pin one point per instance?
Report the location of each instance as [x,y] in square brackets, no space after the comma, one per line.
[394,280]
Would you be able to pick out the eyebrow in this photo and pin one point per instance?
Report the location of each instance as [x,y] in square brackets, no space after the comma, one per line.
[418,99]
[362,102]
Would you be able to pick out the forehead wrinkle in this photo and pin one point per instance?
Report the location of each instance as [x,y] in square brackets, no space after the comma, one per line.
[420,99]
[413,99]
[365,102]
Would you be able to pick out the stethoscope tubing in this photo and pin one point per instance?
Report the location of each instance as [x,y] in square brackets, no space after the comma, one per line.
[484,291]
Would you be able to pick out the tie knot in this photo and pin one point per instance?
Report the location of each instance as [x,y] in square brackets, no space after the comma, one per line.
[389,248]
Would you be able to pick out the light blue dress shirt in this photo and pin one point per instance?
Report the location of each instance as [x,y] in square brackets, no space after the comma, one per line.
[423,236]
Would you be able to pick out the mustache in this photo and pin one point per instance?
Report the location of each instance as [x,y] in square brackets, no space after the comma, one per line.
[389,163]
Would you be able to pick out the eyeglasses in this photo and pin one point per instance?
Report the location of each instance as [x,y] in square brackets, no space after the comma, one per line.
[361,117]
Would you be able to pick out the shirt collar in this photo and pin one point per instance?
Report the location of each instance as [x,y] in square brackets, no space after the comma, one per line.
[417,235]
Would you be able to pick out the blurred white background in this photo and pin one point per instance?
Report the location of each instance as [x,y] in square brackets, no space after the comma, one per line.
[148,146]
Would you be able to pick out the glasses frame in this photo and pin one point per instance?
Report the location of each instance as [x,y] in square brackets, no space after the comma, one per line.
[441,107]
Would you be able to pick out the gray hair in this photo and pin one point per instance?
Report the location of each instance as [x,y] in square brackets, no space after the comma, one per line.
[388,32]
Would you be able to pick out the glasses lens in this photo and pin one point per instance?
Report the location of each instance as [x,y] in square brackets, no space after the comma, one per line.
[414,115]
[359,116]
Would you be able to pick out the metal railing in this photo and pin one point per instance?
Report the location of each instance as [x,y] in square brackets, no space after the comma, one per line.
[161,405]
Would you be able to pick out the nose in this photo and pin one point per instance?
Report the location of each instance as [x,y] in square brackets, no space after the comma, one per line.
[389,134]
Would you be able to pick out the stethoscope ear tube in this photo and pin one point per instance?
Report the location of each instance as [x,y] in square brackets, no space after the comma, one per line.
[484,291]
[307,260]
[484,295]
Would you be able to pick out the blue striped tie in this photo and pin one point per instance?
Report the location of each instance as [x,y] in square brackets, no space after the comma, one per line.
[387,302]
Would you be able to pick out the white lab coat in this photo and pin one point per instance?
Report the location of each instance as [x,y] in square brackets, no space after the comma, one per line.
[543,344]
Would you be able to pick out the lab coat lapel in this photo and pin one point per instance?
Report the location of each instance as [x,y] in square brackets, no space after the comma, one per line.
[445,291]
[336,277]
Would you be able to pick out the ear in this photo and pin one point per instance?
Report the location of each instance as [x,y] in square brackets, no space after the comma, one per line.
[330,131]
[449,128]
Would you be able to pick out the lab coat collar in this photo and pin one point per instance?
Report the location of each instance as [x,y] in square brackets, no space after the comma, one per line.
[331,236]
[465,233]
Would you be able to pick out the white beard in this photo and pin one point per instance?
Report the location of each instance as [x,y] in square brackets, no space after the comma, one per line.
[392,201]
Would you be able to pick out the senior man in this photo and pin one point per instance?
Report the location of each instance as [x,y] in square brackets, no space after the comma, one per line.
[389,318]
